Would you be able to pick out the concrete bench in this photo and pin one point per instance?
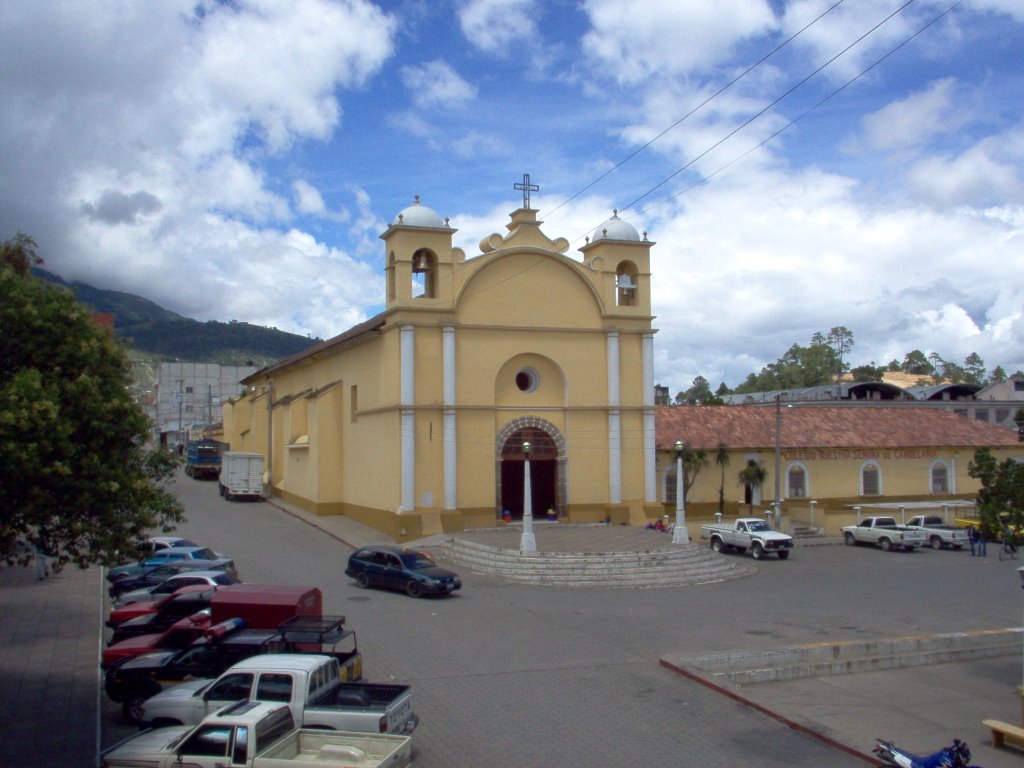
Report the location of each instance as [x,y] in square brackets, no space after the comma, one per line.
[1001,732]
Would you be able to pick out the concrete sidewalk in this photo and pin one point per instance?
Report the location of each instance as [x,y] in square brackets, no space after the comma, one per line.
[50,640]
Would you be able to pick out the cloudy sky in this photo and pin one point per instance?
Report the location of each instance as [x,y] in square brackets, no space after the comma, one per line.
[801,164]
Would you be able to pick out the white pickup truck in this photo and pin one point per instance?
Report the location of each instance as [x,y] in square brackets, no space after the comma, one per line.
[884,532]
[257,735]
[745,533]
[938,533]
[309,683]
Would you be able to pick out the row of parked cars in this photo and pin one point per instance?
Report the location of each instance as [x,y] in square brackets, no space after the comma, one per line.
[194,651]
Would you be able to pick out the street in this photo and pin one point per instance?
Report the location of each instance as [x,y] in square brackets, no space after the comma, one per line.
[507,675]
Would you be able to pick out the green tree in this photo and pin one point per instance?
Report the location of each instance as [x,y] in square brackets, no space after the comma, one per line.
[974,369]
[752,476]
[722,461]
[998,374]
[698,392]
[917,363]
[694,460]
[76,480]
[840,339]
[870,372]
[19,253]
[1001,498]
[723,389]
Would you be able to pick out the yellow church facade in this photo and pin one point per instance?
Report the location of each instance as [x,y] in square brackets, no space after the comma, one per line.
[415,421]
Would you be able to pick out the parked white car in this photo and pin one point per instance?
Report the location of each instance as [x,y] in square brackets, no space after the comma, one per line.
[176,582]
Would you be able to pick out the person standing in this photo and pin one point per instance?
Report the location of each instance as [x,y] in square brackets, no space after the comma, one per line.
[972,537]
[981,543]
[42,563]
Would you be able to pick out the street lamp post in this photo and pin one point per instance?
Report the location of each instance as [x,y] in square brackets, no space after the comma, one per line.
[679,533]
[778,460]
[528,542]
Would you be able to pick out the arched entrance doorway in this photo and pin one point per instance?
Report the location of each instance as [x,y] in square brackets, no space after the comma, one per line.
[544,473]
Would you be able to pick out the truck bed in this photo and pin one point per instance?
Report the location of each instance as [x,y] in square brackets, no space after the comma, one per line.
[337,748]
[362,695]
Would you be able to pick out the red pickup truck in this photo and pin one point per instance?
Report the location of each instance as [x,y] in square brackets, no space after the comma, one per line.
[181,635]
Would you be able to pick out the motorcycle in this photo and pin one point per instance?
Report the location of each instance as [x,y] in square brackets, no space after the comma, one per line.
[957,755]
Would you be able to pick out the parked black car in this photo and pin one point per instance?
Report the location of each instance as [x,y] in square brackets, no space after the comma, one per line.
[405,569]
[133,680]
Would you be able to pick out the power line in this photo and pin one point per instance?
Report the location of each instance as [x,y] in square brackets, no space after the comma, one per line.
[804,114]
[798,84]
[700,106]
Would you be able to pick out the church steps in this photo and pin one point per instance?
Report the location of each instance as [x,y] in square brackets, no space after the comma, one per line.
[677,566]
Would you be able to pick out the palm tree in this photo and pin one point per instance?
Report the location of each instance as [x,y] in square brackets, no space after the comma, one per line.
[693,462]
[722,460]
[752,476]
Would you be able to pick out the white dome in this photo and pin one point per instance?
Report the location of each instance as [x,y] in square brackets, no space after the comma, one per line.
[616,229]
[418,215]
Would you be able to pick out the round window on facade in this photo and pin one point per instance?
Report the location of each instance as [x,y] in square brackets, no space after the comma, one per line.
[527,380]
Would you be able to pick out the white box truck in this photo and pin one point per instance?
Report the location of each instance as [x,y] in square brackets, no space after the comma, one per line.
[241,475]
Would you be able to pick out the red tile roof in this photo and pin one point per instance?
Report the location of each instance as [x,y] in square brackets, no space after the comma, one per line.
[753,427]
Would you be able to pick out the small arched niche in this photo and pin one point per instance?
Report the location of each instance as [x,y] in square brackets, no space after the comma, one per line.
[626,287]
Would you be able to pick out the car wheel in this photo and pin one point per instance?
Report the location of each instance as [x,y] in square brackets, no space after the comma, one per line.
[783,554]
[133,706]
[757,551]
[412,589]
[886,545]
[936,542]
[362,580]
[717,545]
[849,539]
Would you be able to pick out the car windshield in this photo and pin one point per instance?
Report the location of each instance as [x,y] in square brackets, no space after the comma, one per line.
[416,560]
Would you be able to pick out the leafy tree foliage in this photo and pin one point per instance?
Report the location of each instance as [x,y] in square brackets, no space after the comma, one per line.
[809,366]
[76,480]
[753,476]
[1001,498]
[698,392]
[694,460]
[917,362]
[870,372]
[998,374]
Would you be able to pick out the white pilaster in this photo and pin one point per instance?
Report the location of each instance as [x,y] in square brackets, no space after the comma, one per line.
[450,438]
[407,373]
[650,449]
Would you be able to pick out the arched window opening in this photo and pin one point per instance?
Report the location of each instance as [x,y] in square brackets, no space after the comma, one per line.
[424,270]
[625,285]
[870,480]
[940,478]
[796,482]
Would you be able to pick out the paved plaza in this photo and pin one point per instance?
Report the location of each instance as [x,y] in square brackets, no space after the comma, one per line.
[509,675]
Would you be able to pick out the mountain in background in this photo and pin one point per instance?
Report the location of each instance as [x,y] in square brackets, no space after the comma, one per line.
[144,326]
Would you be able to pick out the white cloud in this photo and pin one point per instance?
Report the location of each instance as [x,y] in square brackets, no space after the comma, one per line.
[910,122]
[436,84]
[677,37]
[496,26]
[308,199]
[974,177]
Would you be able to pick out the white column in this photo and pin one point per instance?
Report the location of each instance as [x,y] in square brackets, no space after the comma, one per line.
[680,535]
[650,454]
[450,438]
[614,457]
[527,541]
[408,397]
[614,422]
[650,459]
